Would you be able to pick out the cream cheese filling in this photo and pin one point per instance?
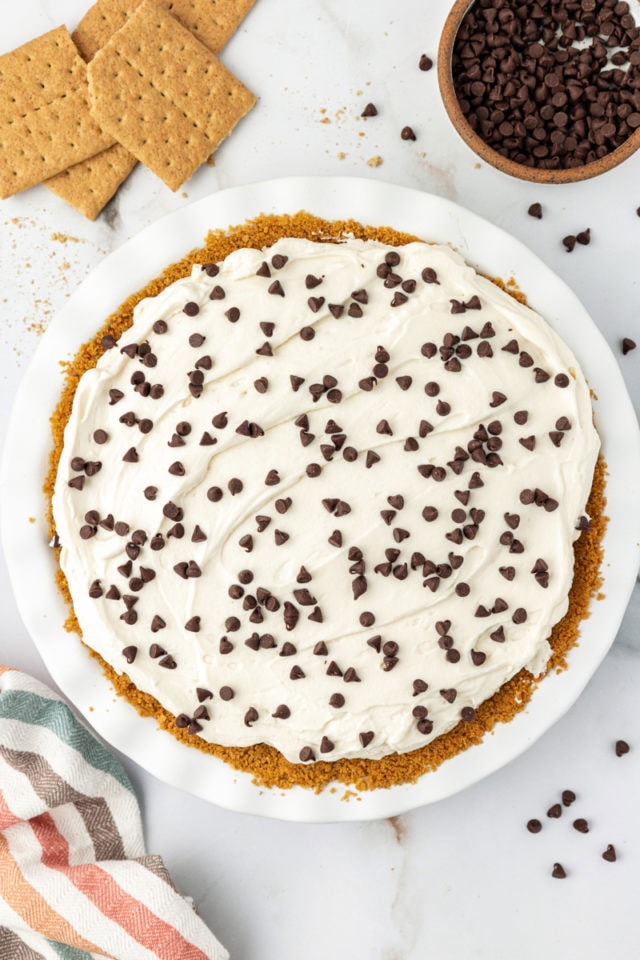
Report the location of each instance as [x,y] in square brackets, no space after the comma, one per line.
[397,474]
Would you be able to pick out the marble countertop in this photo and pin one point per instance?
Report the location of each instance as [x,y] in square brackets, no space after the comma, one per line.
[462,878]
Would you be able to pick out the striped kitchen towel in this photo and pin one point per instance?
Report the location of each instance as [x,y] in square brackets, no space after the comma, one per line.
[75,882]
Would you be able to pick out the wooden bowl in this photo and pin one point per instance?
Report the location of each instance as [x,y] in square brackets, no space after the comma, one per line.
[487,153]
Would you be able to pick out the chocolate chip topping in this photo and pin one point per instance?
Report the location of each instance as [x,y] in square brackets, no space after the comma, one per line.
[333,450]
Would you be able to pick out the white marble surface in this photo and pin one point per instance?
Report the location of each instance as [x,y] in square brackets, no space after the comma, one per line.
[463,878]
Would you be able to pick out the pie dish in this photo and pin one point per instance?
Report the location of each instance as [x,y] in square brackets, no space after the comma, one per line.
[298,199]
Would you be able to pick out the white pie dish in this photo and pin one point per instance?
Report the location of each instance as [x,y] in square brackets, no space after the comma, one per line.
[31,562]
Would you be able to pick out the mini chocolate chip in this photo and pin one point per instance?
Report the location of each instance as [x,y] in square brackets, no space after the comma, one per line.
[535,210]
[610,854]
[369,111]
[558,871]
[568,797]
[250,716]
[407,133]
[282,712]
[425,63]
[227,693]
[306,754]
[627,345]
[581,825]
[429,275]
[534,826]
[554,811]
[621,748]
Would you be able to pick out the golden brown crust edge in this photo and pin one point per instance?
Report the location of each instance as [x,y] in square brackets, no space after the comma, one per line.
[267,766]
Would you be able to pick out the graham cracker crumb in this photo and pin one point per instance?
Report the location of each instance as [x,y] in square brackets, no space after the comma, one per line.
[268,767]
[374,161]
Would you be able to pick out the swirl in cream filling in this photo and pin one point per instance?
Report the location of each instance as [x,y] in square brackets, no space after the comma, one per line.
[324,496]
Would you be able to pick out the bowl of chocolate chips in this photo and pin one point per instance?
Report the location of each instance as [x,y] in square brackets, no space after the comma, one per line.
[544,90]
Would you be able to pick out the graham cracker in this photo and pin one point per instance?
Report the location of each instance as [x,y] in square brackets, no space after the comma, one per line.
[45,122]
[89,185]
[163,95]
[213,22]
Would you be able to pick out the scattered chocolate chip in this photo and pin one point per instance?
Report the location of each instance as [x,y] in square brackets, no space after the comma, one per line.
[282,712]
[621,748]
[425,63]
[558,871]
[584,237]
[554,811]
[306,754]
[609,854]
[369,111]
[628,345]
[535,210]
[581,825]
[250,716]
[191,309]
